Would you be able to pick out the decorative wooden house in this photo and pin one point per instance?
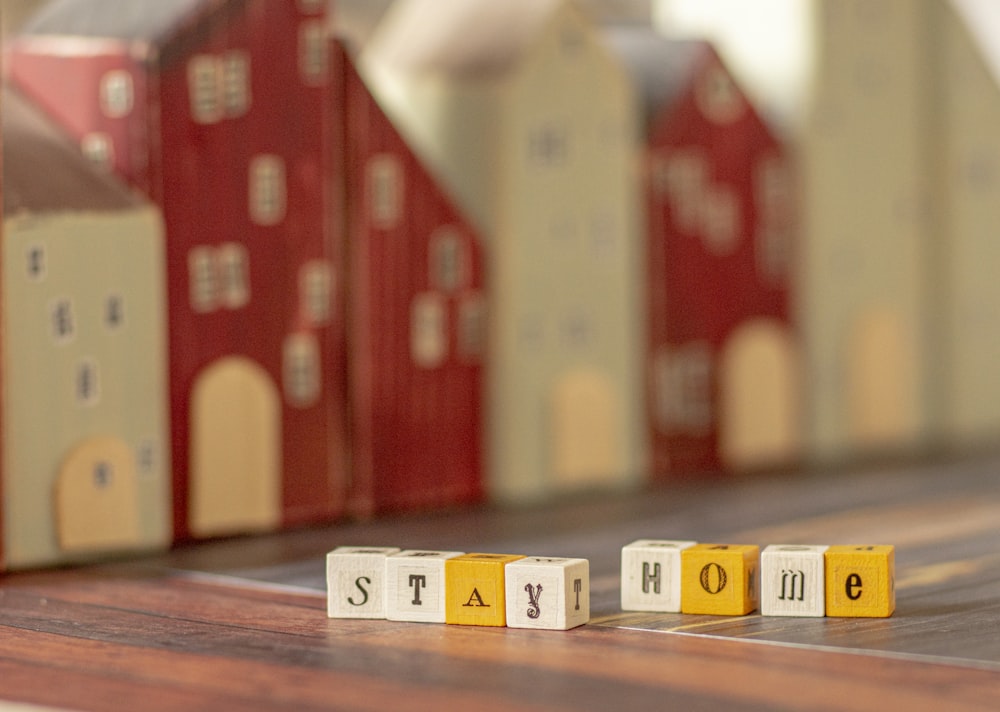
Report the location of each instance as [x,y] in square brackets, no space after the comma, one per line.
[216,109]
[86,452]
[723,361]
[417,310]
[526,117]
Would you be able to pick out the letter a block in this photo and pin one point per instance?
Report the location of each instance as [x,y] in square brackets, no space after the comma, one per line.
[792,581]
[474,589]
[651,575]
[719,579]
[414,585]
[548,593]
[355,578]
[861,581]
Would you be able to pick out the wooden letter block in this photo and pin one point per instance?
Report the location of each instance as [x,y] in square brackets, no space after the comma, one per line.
[792,581]
[719,579]
[861,581]
[651,575]
[548,593]
[355,578]
[474,589]
[414,585]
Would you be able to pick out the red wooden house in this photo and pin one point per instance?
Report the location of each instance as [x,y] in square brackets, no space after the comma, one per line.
[216,109]
[722,358]
[416,308]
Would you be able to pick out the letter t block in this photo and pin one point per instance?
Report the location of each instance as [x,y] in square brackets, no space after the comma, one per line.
[548,593]
[719,579]
[475,592]
[651,575]
[355,577]
[792,581]
[414,585]
[861,581]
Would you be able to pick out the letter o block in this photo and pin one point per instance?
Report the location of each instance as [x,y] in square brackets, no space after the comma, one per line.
[355,581]
[651,575]
[861,581]
[792,581]
[548,593]
[414,585]
[475,592]
[719,579]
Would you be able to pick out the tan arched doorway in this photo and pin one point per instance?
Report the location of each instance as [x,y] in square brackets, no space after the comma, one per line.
[585,429]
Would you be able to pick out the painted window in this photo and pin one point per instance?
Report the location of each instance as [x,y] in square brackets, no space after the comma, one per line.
[233,271]
[267,189]
[236,93]
[114,312]
[63,320]
[87,382]
[683,388]
[301,370]
[720,219]
[773,196]
[449,260]
[718,98]
[36,263]
[428,330]
[203,88]
[146,457]
[98,149]
[385,190]
[313,52]
[685,176]
[316,291]
[472,326]
[203,284]
[577,329]
[548,146]
[117,94]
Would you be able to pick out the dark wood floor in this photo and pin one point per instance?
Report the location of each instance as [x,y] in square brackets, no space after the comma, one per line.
[241,623]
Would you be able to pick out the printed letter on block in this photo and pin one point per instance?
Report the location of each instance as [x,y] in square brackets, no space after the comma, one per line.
[414,585]
[719,579]
[355,577]
[548,593]
[792,581]
[474,589]
[651,575]
[861,581]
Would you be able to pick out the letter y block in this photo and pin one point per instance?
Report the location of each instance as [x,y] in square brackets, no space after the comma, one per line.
[355,578]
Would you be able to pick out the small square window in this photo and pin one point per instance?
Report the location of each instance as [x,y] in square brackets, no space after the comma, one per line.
[63,320]
[146,457]
[204,87]
[87,383]
[233,270]
[428,330]
[548,146]
[316,290]
[313,60]
[98,149]
[236,83]
[718,98]
[267,189]
[385,190]
[683,388]
[721,219]
[203,282]
[114,312]
[35,263]
[449,260]
[117,94]
[472,326]
[301,370]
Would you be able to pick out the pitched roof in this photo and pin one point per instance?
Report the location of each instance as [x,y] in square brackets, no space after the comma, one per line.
[44,172]
[459,37]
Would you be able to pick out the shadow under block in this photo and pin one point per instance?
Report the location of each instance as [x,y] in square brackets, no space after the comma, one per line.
[651,575]
[414,585]
[861,581]
[549,593]
[355,581]
[792,581]
[475,592]
[719,579]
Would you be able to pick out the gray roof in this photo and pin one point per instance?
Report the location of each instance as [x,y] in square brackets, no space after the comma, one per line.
[119,19]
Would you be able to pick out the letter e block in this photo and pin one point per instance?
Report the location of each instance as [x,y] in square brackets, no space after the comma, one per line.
[474,589]
[792,581]
[355,577]
[719,579]
[861,581]
[651,575]
[549,593]
[414,585]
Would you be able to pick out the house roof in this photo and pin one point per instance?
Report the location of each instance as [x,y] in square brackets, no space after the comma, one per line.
[459,37]
[44,172]
[660,68]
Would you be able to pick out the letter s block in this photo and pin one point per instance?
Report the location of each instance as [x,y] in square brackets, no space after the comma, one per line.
[792,581]
[355,578]
[651,575]
[550,593]
[719,579]
[861,581]
[475,589]
[414,585]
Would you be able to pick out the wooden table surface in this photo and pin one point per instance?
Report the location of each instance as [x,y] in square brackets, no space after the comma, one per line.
[241,624]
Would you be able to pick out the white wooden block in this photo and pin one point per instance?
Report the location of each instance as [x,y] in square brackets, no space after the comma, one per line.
[355,581]
[792,581]
[414,585]
[651,575]
[550,593]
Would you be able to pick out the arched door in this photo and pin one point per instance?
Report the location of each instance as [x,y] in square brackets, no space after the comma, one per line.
[585,430]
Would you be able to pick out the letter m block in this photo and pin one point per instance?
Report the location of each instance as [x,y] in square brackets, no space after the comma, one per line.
[355,581]
[475,592]
[651,575]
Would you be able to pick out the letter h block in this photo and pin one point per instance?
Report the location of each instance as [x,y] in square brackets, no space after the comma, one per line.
[475,591]
[861,581]
[651,575]
[355,578]
[548,593]
[414,585]
[719,579]
[792,581]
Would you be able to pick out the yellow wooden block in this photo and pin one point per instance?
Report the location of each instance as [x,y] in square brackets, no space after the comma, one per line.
[719,579]
[861,581]
[474,589]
